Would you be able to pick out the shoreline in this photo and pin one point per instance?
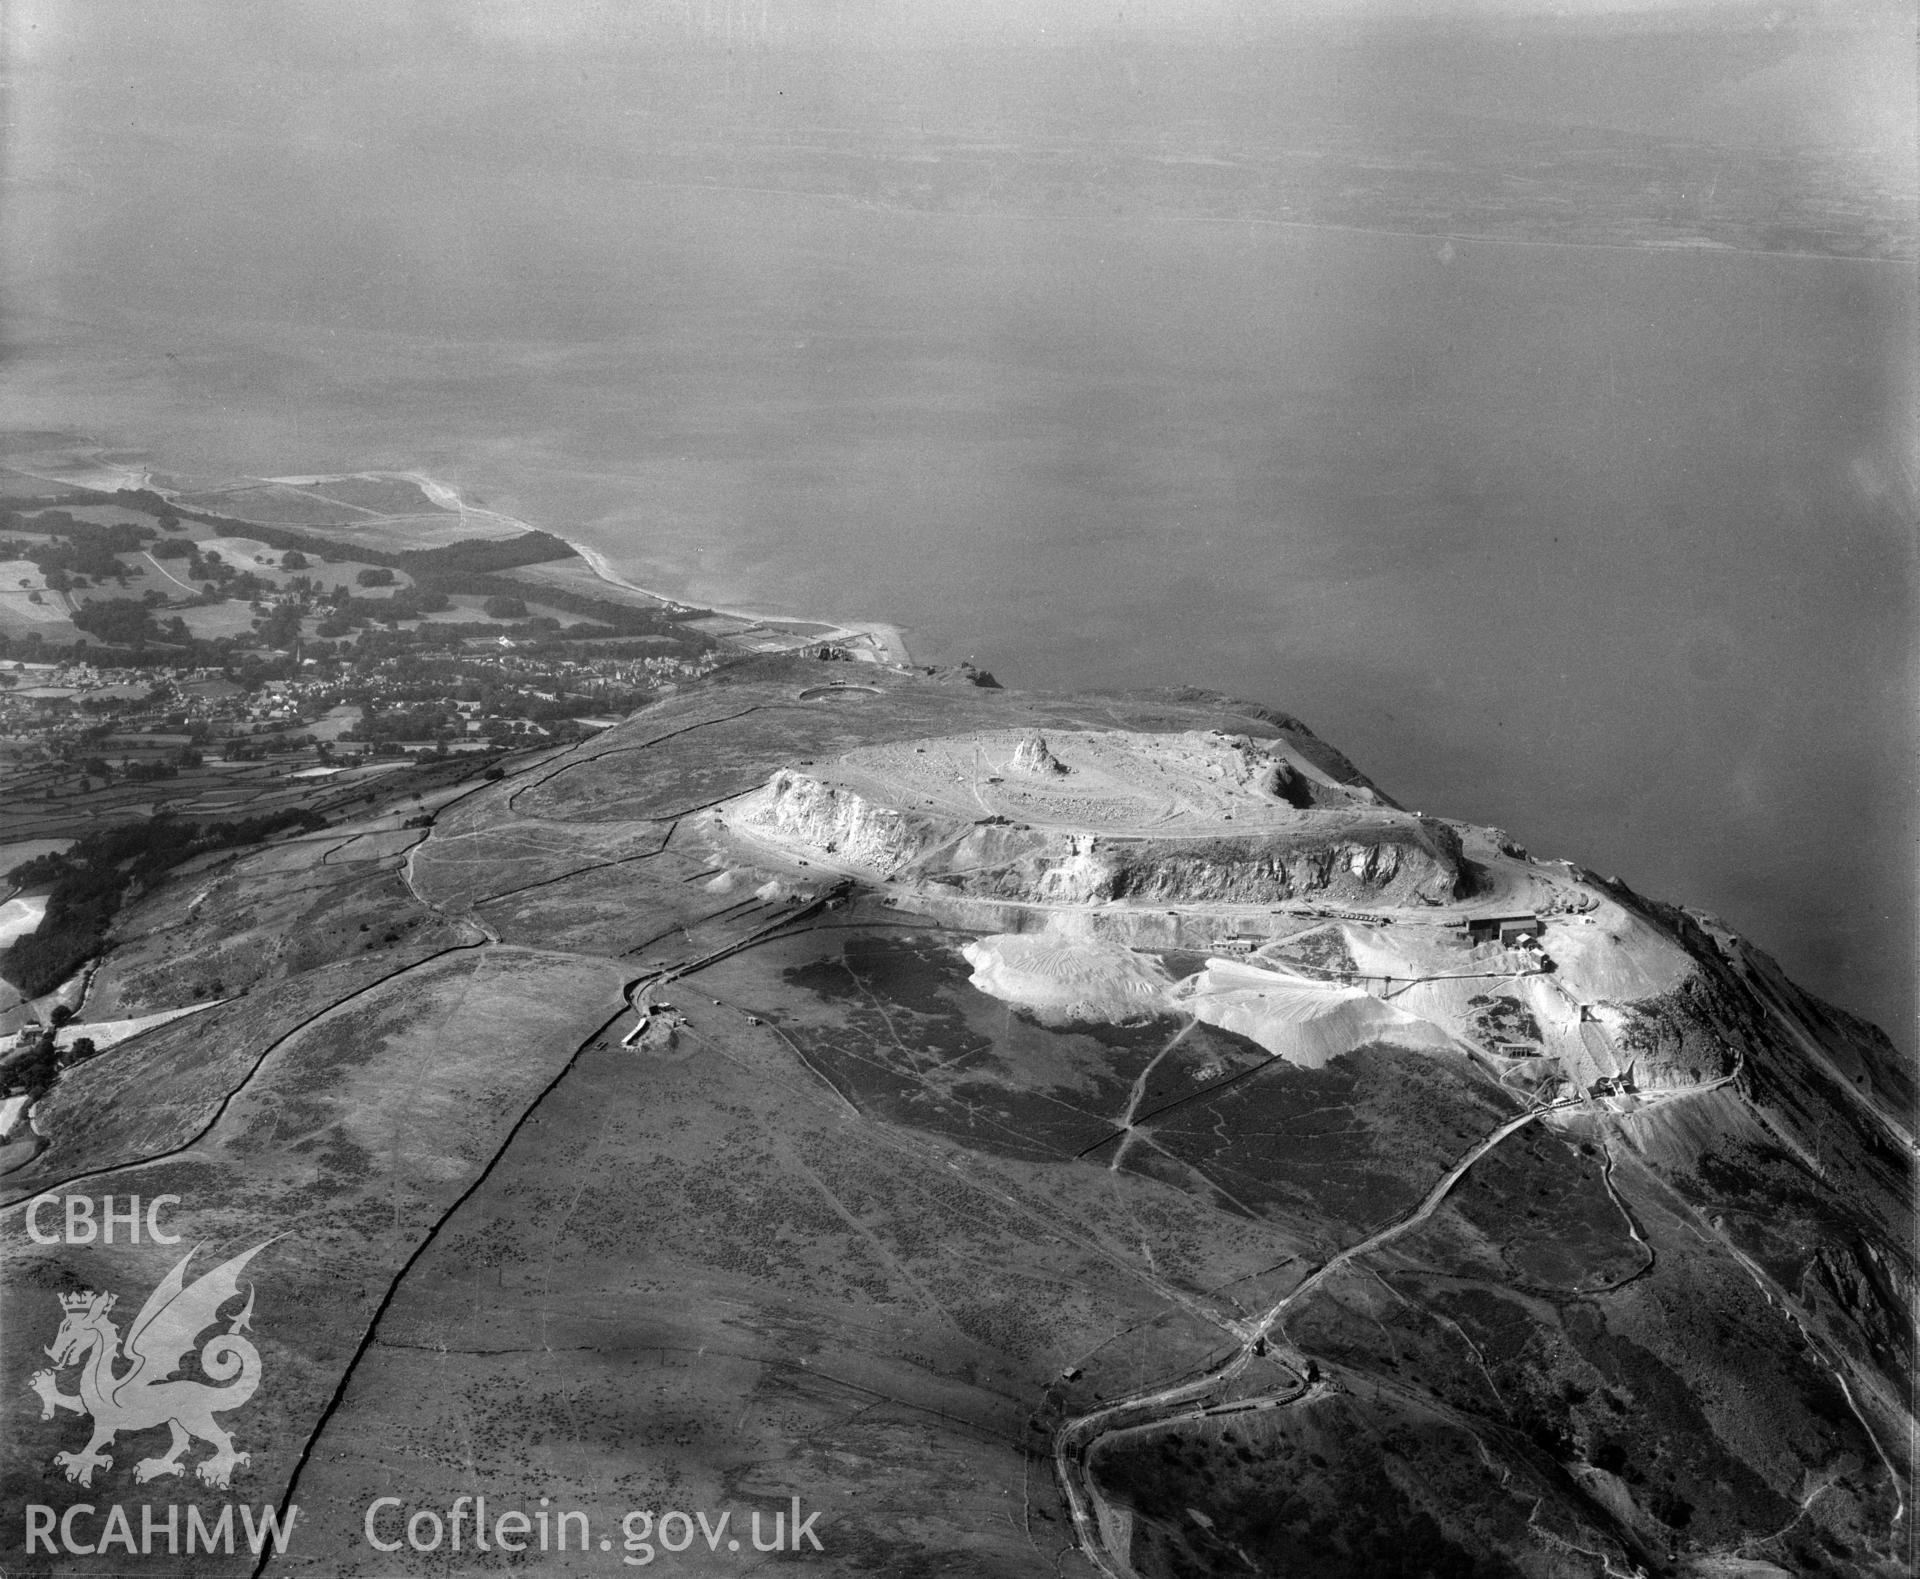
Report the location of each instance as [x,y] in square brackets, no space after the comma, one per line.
[884,642]
[884,637]
[875,640]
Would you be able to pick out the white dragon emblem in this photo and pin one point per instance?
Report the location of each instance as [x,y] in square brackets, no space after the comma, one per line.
[143,1396]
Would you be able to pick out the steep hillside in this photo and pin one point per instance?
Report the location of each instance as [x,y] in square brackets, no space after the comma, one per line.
[998,1133]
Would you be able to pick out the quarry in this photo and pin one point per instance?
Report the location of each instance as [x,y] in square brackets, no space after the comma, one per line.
[1112,876]
[1054,1133]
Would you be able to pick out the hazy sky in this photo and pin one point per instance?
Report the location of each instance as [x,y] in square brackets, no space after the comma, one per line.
[338,25]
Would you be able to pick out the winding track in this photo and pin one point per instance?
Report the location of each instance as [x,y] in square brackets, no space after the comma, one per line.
[1193,1399]
[1155,1409]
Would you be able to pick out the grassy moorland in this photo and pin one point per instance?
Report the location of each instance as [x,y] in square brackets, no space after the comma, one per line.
[820,1220]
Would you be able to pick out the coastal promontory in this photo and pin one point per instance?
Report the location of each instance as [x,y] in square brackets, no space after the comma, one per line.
[1034,1133]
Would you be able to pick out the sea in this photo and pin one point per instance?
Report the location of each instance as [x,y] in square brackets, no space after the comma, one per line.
[1611,546]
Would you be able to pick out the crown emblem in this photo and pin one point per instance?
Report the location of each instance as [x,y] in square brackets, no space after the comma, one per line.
[135,1389]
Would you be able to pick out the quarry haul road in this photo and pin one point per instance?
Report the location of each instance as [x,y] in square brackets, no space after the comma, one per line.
[1156,1409]
[1075,1440]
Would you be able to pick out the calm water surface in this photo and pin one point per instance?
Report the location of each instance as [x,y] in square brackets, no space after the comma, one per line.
[1610,547]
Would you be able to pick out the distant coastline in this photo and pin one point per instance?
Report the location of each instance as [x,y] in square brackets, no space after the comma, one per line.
[88,466]
[887,639]
[889,636]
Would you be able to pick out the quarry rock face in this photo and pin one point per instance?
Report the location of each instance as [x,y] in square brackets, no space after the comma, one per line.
[1227,1168]
[1362,854]
[838,822]
[1398,866]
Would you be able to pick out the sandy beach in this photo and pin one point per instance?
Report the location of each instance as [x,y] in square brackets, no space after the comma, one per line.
[886,639]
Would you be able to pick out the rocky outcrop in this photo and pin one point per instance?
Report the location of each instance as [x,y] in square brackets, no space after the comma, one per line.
[1393,859]
[1032,756]
[837,822]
